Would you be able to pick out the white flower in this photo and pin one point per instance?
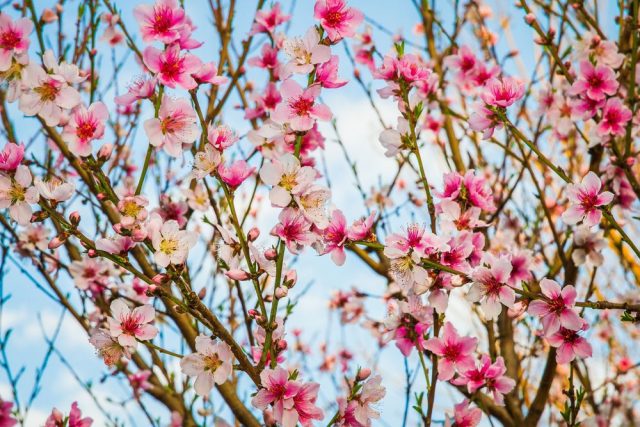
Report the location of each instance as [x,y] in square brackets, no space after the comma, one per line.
[391,139]
[211,364]
[305,52]
[172,244]
[205,162]
[588,246]
[55,189]
[198,198]
[18,195]
[287,178]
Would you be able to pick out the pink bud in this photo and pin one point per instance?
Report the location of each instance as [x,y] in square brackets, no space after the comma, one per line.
[160,279]
[202,293]
[363,374]
[49,16]
[270,254]
[74,218]
[92,253]
[630,161]
[282,345]
[253,234]
[253,313]
[530,18]
[290,278]
[105,152]
[138,235]
[101,196]
[56,242]
[237,274]
[282,292]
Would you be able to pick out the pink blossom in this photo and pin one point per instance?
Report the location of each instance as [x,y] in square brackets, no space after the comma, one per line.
[454,352]
[615,116]
[595,82]
[85,126]
[172,68]
[17,194]
[294,229]
[585,199]
[14,39]
[57,419]
[11,156]
[266,21]
[484,120]
[221,137]
[268,59]
[361,228]
[6,419]
[161,21]
[128,325]
[141,88]
[305,53]
[558,309]
[570,344]
[139,382]
[490,376]
[465,416]
[299,107]
[502,93]
[208,73]
[171,244]
[236,173]
[211,364]
[338,20]
[588,246]
[490,286]
[175,128]
[327,74]
[293,402]
[335,236]
[287,177]
[107,347]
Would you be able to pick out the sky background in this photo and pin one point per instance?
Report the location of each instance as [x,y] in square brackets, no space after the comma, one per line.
[30,314]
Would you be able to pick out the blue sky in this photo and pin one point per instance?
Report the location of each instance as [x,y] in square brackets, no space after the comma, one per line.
[359,128]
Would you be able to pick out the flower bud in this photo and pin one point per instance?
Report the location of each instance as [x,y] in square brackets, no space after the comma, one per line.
[138,235]
[363,374]
[530,18]
[253,234]
[101,196]
[58,241]
[160,279]
[253,313]
[270,254]
[48,16]
[92,253]
[290,278]
[105,152]
[282,292]
[282,345]
[202,293]
[237,275]
[630,161]
[74,218]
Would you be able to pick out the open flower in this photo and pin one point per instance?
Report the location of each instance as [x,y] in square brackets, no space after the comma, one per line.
[466,416]
[615,116]
[338,20]
[294,229]
[17,194]
[171,67]
[299,107]
[211,364]
[502,93]
[128,325]
[304,53]
[453,350]
[162,21]
[596,82]
[287,177]
[585,199]
[171,244]
[558,309]
[11,156]
[85,126]
[570,344]
[14,39]
[490,376]
[490,286]
[175,127]
[236,173]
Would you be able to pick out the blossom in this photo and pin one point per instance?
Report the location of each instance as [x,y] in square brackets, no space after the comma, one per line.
[312,203]
[14,39]
[490,376]
[327,74]
[85,125]
[465,416]
[299,107]
[615,116]
[235,174]
[11,155]
[287,178]
[358,412]
[338,20]
[585,199]
[128,325]
[393,140]
[266,21]
[141,88]
[47,93]
[171,244]
[221,137]
[211,364]
[6,419]
[206,162]
[294,229]
[293,402]
[596,82]
[55,189]
[162,21]
[490,286]
[454,352]
[570,344]
[107,347]
[305,52]
[172,68]
[17,194]
[335,236]
[57,419]
[90,273]
[502,93]
[208,73]
[175,127]
[558,310]
[588,246]
[484,120]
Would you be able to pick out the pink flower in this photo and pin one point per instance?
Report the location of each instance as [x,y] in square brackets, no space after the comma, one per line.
[294,229]
[570,344]
[175,128]
[595,82]
[484,120]
[454,352]
[85,126]
[139,382]
[221,137]
[211,364]
[490,286]
[299,107]
[502,93]
[127,325]
[327,74]
[337,19]
[305,53]
[488,375]
[11,156]
[615,116]
[14,39]
[162,21]
[107,347]
[287,177]
[558,309]
[465,416]
[478,192]
[141,88]
[17,194]
[6,419]
[335,236]
[172,68]
[293,402]
[585,199]
[267,21]
[208,73]
[235,174]
[57,419]
[361,228]
[171,244]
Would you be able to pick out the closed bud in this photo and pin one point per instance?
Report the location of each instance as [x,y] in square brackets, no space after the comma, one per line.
[39,216]
[92,253]
[363,374]
[138,235]
[160,279]
[270,254]
[290,278]
[48,16]
[630,161]
[237,275]
[530,18]
[105,152]
[282,345]
[253,234]
[74,218]
[101,196]
[282,292]
[58,241]
[253,313]
[202,293]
